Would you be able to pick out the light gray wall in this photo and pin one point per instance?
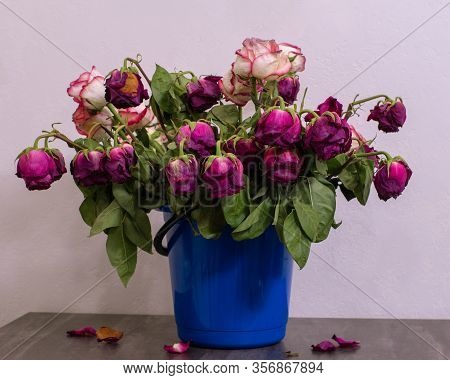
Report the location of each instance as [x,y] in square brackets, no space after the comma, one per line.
[396,252]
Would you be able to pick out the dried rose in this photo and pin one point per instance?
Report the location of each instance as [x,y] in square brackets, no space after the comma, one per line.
[344,343]
[323,346]
[87,331]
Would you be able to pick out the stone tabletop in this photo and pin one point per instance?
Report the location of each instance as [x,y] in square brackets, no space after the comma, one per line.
[43,336]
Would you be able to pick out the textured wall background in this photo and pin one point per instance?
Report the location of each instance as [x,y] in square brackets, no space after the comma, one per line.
[387,259]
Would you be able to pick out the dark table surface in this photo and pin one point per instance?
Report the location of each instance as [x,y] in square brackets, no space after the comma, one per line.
[43,336]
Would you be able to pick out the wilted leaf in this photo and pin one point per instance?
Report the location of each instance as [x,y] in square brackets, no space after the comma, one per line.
[109,335]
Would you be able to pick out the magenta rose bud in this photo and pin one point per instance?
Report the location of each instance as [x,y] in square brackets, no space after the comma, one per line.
[246,149]
[390,118]
[391,181]
[329,136]
[125,89]
[278,128]
[282,165]
[88,169]
[60,164]
[223,176]
[288,89]
[204,93]
[182,173]
[38,169]
[330,104]
[119,162]
[198,139]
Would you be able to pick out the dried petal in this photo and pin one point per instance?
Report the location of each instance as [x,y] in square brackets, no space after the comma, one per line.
[177,348]
[109,335]
[344,343]
[323,346]
[84,331]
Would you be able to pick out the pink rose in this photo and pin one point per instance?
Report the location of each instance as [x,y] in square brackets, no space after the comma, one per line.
[90,123]
[89,90]
[234,89]
[296,58]
[137,117]
[261,59]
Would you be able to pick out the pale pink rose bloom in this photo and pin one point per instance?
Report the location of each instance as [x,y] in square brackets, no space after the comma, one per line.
[294,53]
[90,124]
[261,59]
[89,89]
[137,117]
[235,90]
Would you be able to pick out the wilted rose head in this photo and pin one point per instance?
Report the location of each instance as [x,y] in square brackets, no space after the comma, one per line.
[288,89]
[125,89]
[330,104]
[390,116]
[204,93]
[182,174]
[278,127]
[92,123]
[39,169]
[88,168]
[329,136]
[234,89]
[137,117]
[295,56]
[223,176]
[198,139]
[282,165]
[119,161]
[88,89]
[247,150]
[391,179]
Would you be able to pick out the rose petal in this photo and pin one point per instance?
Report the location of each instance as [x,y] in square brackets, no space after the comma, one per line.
[109,335]
[344,343]
[323,346]
[177,348]
[84,331]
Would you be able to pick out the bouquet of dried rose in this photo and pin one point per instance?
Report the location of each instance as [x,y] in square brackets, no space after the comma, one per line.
[187,146]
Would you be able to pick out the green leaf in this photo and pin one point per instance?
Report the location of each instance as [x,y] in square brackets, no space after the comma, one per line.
[163,90]
[225,116]
[256,223]
[283,212]
[124,198]
[87,210]
[111,216]
[103,198]
[122,253]
[235,208]
[336,163]
[320,194]
[210,221]
[138,230]
[309,218]
[297,243]
[357,177]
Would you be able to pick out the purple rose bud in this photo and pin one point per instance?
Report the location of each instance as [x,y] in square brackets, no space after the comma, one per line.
[182,173]
[328,137]
[278,128]
[60,164]
[281,165]
[288,89]
[39,169]
[390,182]
[345,343]
[199,140]
[118,164]
[330,104]
[247,150]
[204,93]
[88,169]
[125,89]
[389,118]
[323,346]
[223,176]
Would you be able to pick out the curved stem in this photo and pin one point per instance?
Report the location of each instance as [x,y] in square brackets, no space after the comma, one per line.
[219,148]
[348,113]
[180,148]
[115,113]
[376,153]
[254,93]
[136,63]
[314,113]
[302,104]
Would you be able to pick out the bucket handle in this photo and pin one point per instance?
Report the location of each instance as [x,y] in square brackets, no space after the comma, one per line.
[165,228]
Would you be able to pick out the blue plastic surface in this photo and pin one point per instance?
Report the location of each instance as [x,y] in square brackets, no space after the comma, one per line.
[229,294]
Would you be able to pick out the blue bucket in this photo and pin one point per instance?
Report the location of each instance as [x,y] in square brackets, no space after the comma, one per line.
[229,294]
